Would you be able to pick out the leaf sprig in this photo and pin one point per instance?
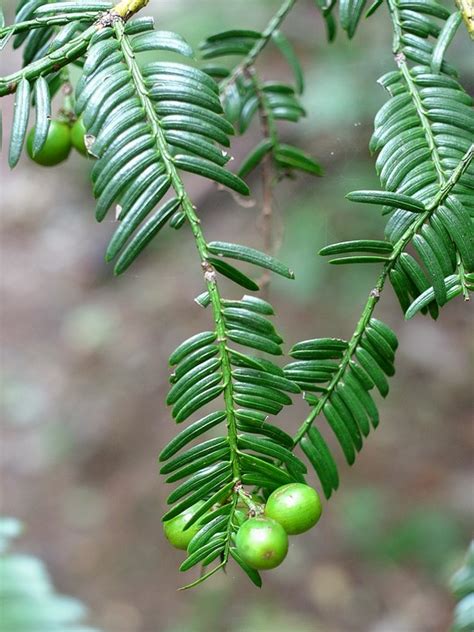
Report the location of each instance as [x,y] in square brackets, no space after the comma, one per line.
[244,96]
[211,472]
[143,159]
[423,136]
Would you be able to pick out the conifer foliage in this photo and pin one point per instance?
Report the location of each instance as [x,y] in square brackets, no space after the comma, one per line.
[149,121]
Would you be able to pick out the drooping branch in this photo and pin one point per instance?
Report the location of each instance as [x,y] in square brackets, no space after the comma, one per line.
[438,181]
[216,300]
[376,292]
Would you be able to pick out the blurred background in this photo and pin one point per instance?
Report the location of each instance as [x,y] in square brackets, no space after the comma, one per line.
[84,375]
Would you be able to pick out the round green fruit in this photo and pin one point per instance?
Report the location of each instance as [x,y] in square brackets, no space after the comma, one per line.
[174,528]
[262,543]
[56,147]
[78,133]
[297,507]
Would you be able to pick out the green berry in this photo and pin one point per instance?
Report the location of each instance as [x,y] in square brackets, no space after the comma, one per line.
[174,528]
[56,147]
[262,543]
[297,507]
[78,133]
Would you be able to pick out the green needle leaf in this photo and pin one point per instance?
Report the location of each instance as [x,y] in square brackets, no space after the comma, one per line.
[20,121]
[250,255]
[387,198]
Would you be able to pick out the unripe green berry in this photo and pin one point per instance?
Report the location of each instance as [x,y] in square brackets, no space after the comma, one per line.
[56,148]
[78,133]
[297,507]
[174,528]
[262,543]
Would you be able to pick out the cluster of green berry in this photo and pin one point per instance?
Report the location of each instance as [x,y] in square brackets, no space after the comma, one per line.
[262,537]
[62,136]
